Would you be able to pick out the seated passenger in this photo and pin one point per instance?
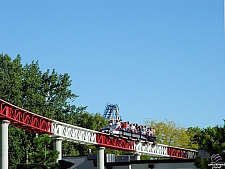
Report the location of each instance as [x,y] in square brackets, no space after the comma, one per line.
[139,129]
[110,123]
[143,131]
[123,126]
[132,128]
[153,131]
[118,124]
[128,126]
[149,132]
[136,130]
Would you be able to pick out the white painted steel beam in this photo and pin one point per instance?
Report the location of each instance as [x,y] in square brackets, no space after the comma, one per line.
[150,149]
[74,133]
[164,150]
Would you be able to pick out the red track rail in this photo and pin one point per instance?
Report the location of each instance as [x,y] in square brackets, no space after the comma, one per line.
[114,142]
[175,152]
[25,119]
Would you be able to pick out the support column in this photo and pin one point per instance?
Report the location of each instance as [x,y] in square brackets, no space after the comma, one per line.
[4,144]
[137,156]
[100,158]
[58,147]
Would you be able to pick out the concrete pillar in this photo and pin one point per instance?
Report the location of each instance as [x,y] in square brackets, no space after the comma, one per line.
[137,156]
[129,166]
[58,147]
[4,144]
[100,158]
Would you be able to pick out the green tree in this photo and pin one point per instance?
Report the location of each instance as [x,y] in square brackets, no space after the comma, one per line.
[47,94]
[212,140]
[192,132]
[16,146]
[11,75]
[170,133]
[42,153]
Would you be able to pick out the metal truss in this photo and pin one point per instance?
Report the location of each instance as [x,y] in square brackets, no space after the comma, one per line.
[115,142]
[74,133]
[25,119]
[177,152]
[164,150]
[151,149]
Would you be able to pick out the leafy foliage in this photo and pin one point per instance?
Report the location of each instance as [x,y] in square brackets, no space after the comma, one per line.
[170,133]
[192,132]
[42,154]
[47,94]
[11,75]
[212,140]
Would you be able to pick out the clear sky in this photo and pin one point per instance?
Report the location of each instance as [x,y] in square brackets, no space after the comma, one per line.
[156,59]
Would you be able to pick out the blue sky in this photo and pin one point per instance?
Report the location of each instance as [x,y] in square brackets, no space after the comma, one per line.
[157,59]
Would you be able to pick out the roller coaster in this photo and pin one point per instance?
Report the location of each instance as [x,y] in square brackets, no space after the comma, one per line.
[120,139]
[124,129]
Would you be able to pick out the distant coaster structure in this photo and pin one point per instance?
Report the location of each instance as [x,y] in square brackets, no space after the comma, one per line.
[112,112]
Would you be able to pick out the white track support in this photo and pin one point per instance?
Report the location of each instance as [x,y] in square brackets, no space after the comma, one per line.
[74,133]
[58,147]
[100,158]
[137,156]
[4,144]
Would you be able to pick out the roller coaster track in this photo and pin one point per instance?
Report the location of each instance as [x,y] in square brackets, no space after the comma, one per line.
[38,124]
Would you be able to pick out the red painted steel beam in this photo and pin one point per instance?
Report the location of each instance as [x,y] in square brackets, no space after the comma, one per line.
[114,142]
[178,153]
[24,119]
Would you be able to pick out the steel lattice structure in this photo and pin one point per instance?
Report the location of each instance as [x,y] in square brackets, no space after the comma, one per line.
[115,142]
[39,124]
[25,119]
[112,112]
[74,133]
[164,150]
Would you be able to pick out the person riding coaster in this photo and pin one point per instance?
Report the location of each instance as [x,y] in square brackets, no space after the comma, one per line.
[121,131]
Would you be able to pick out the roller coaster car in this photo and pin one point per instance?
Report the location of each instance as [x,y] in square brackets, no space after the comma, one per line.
[139,136]
[108,129]
[129,135]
